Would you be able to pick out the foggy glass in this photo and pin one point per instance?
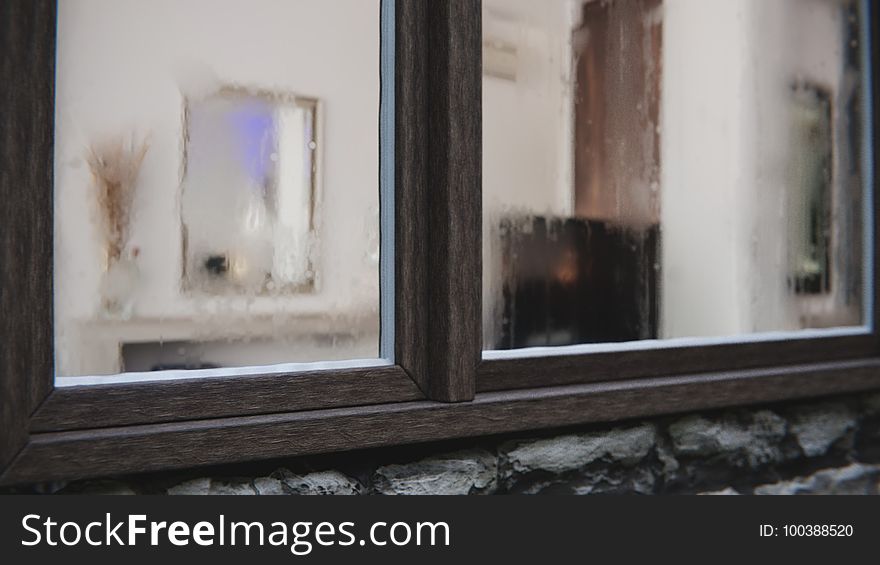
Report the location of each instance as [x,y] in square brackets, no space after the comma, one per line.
[216,185]
[659,169]
[249,193]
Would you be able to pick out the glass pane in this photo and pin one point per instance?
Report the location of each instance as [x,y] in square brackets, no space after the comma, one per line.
[658,169]
[216,184]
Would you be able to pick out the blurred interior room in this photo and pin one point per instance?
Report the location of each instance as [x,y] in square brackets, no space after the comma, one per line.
[217,201]
[652,169]
[658,169]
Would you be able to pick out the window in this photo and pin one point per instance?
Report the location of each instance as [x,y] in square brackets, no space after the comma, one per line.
[216,202]
[680,174]
[270,270]
[707,192]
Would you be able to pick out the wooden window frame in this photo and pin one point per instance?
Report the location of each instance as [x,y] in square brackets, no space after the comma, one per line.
[439,387]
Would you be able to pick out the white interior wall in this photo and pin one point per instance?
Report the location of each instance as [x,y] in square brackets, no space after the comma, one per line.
[728,70]
[706,133]
[124,66]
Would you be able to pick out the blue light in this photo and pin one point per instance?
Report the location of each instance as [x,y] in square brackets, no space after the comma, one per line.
[254,126]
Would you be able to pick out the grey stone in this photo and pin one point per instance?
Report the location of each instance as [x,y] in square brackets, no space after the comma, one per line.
[269,486]
[853,479]
[205,485]
[729,491]
[817,428]
[538,487]
[638,481]
[751,440]
[320,483]
[616,479]
[782,487]
[667,459]
[195,486]
[463,472]
[232,487]
[567,453]
[583,490]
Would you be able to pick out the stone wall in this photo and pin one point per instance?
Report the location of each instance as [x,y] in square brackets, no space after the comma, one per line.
[820,446]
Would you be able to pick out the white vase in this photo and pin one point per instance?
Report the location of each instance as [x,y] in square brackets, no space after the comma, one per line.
[118,288]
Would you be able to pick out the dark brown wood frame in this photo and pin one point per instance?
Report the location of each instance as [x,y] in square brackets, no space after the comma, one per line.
[439,387]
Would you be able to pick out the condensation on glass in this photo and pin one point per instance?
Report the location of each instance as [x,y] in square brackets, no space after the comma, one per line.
[216,184]
[658,169]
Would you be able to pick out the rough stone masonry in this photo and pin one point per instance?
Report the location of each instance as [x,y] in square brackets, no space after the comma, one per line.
[808,447]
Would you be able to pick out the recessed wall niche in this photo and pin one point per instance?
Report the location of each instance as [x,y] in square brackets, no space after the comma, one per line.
[250,193]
